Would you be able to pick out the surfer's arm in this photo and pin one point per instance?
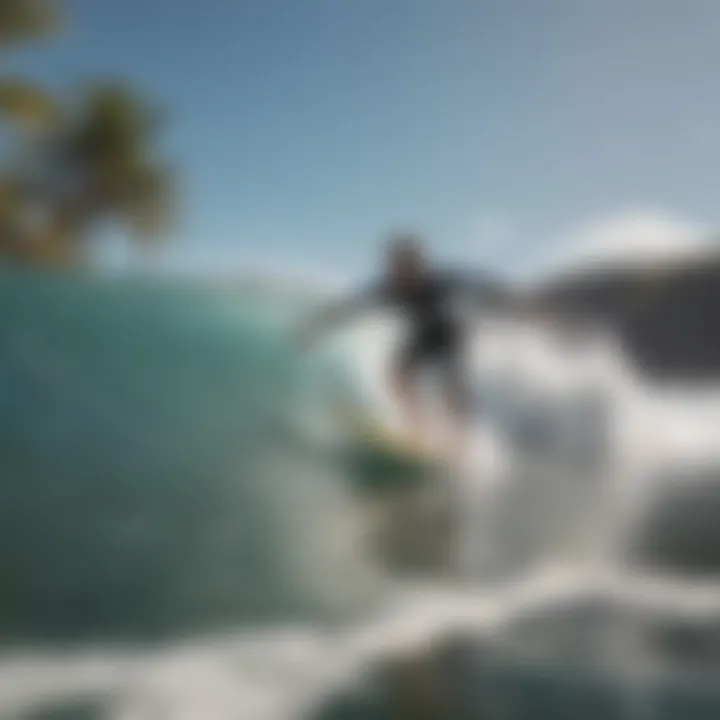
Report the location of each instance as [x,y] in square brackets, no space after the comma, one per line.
[337,314]
[486,294]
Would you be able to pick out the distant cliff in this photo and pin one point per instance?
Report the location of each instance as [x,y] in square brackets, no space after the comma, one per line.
[667,316]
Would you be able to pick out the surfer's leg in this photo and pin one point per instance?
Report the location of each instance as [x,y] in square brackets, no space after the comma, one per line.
[405,386]
[456,398]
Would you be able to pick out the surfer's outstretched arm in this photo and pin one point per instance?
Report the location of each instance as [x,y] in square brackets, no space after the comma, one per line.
[339,313]
[487,294]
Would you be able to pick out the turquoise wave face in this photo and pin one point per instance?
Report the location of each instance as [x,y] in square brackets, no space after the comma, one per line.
[155,476]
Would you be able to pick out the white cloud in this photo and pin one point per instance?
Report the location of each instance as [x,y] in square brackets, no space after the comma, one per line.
[625,239]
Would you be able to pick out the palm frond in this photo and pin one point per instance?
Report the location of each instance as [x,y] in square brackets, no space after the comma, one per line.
[21,20]
[28,106]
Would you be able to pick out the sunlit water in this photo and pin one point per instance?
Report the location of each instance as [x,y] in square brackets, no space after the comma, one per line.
[169,500]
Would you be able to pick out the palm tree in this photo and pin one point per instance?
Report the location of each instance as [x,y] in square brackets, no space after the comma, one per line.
[22,20]
[25,106]
[102,165]
[25,19]
[93,161]
[11,204]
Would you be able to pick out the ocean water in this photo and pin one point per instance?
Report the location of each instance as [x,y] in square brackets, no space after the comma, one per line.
[179,539]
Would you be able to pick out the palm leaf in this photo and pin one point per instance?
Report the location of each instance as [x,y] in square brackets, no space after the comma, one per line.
[21,20]
[151,202]
[115,145]
[101,163]
[27,105]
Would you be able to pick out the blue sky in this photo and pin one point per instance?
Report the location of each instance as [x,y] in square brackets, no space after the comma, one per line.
[305,129]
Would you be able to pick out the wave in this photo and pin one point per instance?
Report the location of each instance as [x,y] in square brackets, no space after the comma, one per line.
[166,474]
[156,471]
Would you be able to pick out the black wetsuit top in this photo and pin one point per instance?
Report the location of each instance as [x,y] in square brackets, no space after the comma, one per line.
[432,308]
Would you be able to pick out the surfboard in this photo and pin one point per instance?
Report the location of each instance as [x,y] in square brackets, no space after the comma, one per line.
[381,457]
[397,441]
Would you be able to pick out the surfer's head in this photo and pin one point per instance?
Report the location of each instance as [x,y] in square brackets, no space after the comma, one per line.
[405,257]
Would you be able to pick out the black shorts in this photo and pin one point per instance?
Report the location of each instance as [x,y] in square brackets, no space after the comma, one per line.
[443,352]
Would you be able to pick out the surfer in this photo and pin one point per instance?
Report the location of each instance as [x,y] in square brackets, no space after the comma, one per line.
[432,304]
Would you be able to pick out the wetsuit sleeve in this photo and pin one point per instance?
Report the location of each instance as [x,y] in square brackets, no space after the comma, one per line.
[483,292]
[338,313]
